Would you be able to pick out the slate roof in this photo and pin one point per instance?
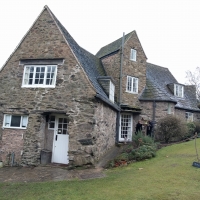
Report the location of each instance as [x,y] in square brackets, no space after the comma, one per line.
[157,80]
[91,64]
[112,47]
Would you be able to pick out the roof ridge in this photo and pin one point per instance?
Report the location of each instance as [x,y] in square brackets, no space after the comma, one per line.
[157,65]
[113,46]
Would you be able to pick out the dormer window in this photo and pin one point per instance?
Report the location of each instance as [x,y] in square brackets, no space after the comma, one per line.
[178,90]
[112,92]
[133,55]
[107,83]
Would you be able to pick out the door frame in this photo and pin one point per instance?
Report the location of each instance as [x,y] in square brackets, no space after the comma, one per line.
[57,116]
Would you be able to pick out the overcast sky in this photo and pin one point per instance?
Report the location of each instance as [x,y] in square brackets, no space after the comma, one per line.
[169,30]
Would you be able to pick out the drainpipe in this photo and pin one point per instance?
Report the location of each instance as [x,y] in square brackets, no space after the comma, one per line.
[120,89]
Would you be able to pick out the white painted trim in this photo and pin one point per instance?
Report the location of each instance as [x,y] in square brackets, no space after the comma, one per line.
[182,90]
[122,139]
[13,127]
[39,85]
[132,92]
[131,55]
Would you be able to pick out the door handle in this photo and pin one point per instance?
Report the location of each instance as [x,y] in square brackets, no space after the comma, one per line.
[56,137]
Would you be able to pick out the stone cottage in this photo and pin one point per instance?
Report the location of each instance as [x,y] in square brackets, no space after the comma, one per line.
[57,96]
[52,98]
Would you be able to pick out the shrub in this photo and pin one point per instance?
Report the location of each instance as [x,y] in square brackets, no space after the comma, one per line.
[144,152]
[146,148]
[171,127]
[191,129]
[197,129]
[140,139]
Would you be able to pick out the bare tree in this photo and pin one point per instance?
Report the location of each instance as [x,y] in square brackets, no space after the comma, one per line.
[193,78]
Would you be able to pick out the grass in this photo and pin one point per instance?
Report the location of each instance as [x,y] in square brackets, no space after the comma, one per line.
[169,175]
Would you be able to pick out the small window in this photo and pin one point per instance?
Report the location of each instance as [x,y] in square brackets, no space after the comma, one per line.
[51,122]
[126,127]
[112,91]
[15,121]
[178,90]
[133,55]
[189,116]
[132,84]
[39,76]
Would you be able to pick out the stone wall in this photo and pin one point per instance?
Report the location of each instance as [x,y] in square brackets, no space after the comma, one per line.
[104,128]
[112,66]
[161,110]
[135,69]
[73,93]
[181,115]
[12,141]
[130,68]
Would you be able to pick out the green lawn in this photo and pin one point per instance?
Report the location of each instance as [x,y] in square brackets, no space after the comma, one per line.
[169,175]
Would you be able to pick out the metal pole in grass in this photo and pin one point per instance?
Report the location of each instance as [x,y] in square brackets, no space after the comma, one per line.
[196,164]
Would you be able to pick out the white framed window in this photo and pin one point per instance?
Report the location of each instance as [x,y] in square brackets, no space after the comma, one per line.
[112,92]
[126,127]
[15,121]
[189,116]
[51,124]
[132,84]
[178,90]
[39,76]
[133,55]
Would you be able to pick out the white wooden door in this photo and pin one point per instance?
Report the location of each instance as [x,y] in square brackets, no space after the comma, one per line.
[125,133]
[61,141]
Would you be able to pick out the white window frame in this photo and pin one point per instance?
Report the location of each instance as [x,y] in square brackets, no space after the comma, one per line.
[132,85]
[8,118]
[49,122]
[34,85]
[112,92]
[178,90]
[126,128]
[133,55]
[189,116]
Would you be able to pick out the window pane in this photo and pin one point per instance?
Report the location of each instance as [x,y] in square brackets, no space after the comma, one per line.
[51,125]
[52,118]
[24,121]
[52,122]
[15,121]
[36,81]
[37,69]
[7,120]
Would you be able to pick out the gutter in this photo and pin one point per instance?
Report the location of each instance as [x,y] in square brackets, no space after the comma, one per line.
[115,106]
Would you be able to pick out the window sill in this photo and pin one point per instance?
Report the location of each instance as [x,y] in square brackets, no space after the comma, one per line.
[131,92]
[5,127]
[35,86]
[133,60]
